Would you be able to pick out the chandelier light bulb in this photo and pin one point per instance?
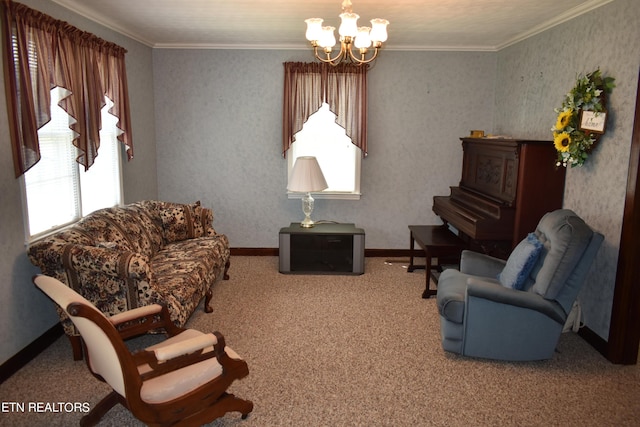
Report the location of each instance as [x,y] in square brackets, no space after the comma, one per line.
[314,29]
[327,39]
[363,40]
[349,25]
[379,30]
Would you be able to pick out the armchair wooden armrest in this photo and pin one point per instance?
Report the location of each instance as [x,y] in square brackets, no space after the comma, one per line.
[172,357]
[135,313]
[192,345]
[141,320]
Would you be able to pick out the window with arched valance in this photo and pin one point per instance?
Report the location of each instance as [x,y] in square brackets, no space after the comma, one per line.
[41,53]
[342,87]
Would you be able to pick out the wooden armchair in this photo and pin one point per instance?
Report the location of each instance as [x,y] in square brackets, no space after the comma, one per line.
[181,381]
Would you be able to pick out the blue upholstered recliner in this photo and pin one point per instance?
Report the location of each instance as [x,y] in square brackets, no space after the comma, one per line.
[516,309]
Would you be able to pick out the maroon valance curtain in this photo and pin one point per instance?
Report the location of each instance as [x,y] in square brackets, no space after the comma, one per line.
[42,53]
[343,87]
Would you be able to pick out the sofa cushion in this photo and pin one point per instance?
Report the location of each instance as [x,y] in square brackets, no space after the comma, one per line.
[181,222]
[125,228]
[520,263]
[101,227]
[182,273]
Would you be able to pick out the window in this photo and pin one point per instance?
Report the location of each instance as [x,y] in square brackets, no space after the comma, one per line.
[57,191]
[41,52]
[338,157]
[325,115]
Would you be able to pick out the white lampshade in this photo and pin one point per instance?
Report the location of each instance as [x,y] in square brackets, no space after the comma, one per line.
[306,176]
[379,30]
[349,25]
[327,38]
[363,40]
[314,29]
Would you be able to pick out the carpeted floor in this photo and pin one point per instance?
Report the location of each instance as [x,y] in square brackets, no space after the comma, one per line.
[354,351]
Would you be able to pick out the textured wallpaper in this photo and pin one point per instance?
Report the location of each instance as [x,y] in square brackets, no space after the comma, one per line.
[533,78]
[219,131]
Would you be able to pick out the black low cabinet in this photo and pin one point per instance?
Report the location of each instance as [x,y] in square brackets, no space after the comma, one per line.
[323,249]
[322,253]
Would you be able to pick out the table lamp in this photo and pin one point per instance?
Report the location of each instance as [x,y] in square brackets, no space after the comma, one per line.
[306,177]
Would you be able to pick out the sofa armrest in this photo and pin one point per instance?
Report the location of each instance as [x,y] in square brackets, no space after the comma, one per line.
[207,222]
[492,291]
[47,255]
[108,261]
[478,264]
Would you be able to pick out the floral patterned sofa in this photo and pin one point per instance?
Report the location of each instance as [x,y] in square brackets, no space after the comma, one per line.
[130,256]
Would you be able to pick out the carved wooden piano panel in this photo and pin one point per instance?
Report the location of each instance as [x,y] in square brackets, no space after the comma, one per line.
[507,185]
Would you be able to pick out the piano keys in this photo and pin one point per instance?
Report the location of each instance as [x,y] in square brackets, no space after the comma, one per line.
[507,185]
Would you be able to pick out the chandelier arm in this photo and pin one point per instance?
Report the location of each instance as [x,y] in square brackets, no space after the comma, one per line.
[363,60]
[333,61]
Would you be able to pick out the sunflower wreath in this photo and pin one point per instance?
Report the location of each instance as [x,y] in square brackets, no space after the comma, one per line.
[572,143]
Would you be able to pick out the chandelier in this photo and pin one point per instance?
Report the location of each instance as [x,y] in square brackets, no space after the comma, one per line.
[351,36]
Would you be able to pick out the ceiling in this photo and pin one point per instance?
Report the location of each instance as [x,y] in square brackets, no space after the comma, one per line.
[484,25]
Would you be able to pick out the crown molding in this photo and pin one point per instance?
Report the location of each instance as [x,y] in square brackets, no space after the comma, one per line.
[561,18]
[82,10]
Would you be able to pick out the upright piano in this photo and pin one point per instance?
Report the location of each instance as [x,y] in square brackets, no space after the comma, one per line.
[507,185]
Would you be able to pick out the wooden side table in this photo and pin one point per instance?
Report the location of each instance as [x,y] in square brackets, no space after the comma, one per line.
[437,241]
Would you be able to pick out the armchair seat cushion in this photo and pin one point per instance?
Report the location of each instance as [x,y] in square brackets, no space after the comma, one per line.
[178,383]
[182,381]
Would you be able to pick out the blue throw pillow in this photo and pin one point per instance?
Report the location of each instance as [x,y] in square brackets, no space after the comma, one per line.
[520,263]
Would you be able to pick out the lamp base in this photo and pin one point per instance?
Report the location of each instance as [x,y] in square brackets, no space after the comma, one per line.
[307,208]
[307,223]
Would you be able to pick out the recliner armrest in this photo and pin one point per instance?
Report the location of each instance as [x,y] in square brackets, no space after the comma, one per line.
[478,264]
[495,292]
